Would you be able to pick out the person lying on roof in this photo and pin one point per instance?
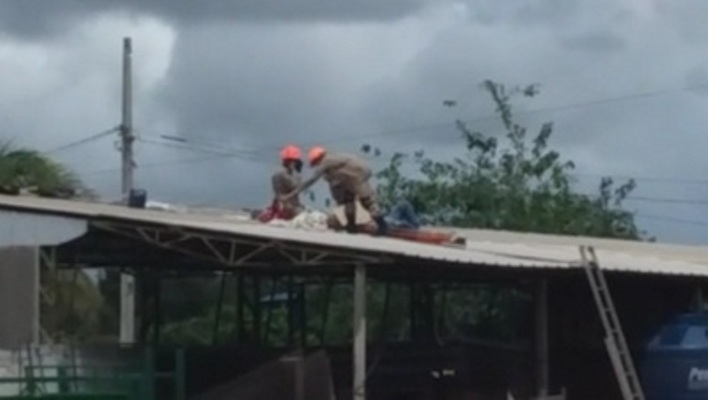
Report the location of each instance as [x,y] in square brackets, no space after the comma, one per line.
[401,216]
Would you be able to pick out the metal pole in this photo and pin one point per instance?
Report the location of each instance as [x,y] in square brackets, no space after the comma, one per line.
[126,128]
[127,282]
[359,325]
[542,338]
[36,298]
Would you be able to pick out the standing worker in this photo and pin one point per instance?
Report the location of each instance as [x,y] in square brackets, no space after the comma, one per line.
[285,181]
[348,178]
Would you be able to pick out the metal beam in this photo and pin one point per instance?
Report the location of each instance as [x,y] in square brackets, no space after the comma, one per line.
[359,325]
[292,254]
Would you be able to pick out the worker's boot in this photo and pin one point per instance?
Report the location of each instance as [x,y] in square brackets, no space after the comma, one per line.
[381,225]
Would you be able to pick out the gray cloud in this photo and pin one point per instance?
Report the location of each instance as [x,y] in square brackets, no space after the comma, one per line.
[239,90]
[41,18]
[697,79]
[349,79]
[596,42]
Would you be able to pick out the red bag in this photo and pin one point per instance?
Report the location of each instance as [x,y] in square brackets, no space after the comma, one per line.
[273,211]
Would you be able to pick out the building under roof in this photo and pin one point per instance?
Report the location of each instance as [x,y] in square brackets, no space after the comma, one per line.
[649,280]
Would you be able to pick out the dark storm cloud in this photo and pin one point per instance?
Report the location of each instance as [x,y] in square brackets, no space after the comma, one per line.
[36,18]
[264,85]
[239,83]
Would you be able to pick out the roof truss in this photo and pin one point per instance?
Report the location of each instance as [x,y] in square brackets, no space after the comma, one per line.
[237,252]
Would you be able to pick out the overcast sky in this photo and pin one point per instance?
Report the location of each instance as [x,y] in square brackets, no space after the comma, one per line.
[626,82]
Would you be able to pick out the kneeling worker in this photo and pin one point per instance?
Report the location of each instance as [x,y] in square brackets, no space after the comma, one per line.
[286,180]
[348,178]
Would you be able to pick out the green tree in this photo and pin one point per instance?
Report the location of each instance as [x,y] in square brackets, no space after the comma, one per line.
[26,169]
[73,306]
[72,297]
[515,182]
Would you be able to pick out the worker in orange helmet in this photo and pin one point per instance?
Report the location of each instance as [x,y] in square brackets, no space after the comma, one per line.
[287,179]
[348,178]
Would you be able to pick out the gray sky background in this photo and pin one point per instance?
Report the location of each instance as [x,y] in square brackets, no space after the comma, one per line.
[250,75]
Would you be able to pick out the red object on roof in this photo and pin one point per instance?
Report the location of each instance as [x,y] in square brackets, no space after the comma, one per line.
[274,211]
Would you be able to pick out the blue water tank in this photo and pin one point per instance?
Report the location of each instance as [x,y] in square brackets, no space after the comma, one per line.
[675,366]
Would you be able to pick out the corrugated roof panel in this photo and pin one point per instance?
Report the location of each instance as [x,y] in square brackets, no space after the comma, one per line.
[233,224]
[498,248]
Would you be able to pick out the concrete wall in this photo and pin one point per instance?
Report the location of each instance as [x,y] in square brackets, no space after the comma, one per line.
[19,296]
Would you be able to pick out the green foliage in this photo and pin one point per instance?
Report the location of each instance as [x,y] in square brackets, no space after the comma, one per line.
[515,182]
[74,308]
[22,168]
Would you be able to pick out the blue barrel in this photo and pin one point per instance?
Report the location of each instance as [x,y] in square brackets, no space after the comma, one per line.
[675,366]
[137,198]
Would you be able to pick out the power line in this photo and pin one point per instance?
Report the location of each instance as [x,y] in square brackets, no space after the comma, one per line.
[167,163]
[225,151]
[564,107]
[437,126]
[249,156]
[215,156]
[609,100]
[645,178]
[188,144]
[673,219]
[181,138]
[664,200]
[697,202]
[83,141]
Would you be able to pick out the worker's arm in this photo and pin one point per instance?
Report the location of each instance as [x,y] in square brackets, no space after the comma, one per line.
[304,185]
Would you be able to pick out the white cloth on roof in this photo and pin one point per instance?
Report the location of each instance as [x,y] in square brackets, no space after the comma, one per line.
[310,219]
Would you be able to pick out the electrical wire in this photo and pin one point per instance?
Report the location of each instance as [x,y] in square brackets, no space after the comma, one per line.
[83,141]
[166,163]
[565,107]
[222,151]
[217,155]
[674,220]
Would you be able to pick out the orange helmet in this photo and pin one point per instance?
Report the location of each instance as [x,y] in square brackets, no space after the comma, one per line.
[290,152]
[315,154]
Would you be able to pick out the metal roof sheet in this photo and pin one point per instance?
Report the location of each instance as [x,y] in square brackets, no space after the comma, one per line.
[238,224]
[484,247]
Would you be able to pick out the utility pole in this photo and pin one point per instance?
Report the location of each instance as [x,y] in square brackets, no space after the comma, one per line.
[127,281]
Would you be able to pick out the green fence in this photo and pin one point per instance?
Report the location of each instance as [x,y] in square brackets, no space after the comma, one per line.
[82,382]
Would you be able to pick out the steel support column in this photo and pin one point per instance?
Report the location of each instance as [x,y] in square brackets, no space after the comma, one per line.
[542,362]
[47,275]
[127,309]
[359,325]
